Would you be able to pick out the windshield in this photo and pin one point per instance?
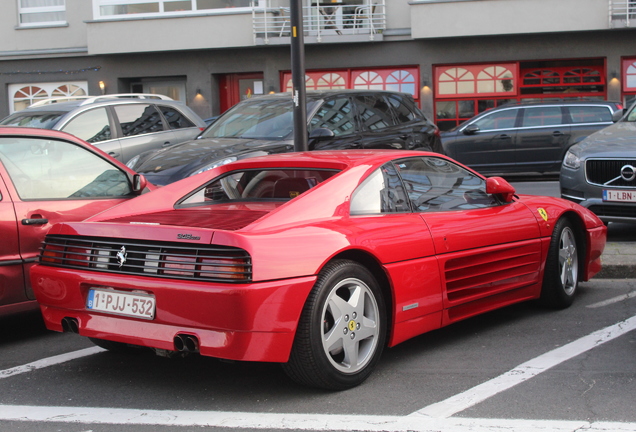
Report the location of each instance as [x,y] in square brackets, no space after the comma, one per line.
[36,120]
[262,118]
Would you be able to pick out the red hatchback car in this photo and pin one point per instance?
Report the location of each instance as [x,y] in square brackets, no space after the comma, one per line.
[315,260]
[48,177]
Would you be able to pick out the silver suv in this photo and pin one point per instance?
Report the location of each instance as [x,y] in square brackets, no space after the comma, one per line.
[122,125]
[600,172]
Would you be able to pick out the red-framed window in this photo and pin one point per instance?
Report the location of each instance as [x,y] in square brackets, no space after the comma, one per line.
[565,81]
[629,81]
[498,80]
[403,79]
[463,91]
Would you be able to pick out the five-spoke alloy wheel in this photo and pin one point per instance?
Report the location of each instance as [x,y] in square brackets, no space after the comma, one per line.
[342,330]
[562,267]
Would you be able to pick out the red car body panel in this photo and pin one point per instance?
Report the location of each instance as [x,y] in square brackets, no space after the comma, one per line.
[21,243]
[439,267]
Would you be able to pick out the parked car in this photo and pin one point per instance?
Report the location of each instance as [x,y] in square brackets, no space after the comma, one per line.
[48,177]
[317,260]
[121,125]
[600,172]
[526,137]
[337,119]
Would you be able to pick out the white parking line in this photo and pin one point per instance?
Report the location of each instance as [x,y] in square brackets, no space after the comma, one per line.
[612,300]
[313,422]
[49,361]
[525,371]
[433,418]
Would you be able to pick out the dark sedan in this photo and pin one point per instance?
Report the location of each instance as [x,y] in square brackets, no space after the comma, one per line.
[336,120]
[526,137]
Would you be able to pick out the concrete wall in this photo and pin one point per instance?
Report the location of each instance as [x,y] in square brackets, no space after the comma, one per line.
[444,18]
[201,69]
[170,34]
[18,41]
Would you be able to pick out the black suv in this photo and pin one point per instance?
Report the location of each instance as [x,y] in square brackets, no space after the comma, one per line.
[526,137]
[336,119]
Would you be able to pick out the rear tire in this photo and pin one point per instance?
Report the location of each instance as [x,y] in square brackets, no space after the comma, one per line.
[342,329]
[561,276]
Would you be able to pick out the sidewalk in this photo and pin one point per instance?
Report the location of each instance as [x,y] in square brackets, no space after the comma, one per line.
[619,261]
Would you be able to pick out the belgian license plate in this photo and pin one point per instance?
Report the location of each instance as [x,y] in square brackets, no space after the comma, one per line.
[137,305]
[619,196]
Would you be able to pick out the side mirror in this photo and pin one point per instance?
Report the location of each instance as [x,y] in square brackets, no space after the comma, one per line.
[321,134]
[500,187]
[618,115]
[471,130]
[139,183]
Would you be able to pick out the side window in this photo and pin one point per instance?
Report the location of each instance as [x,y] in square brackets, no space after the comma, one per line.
[176,120]
[91,126]
[336,115]
[138,119]
[381,192]
[504,119]
[590,114]
[542,116]
[375,112]
[403,112]
[435,184]
[42,169]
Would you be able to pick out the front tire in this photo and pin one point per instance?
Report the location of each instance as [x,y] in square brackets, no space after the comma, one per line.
[342,329]
[562,267]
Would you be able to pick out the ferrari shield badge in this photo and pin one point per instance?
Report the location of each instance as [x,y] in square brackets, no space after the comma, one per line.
[543,214]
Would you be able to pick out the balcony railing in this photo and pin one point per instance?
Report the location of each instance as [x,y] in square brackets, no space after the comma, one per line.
[622,13]
[321,22]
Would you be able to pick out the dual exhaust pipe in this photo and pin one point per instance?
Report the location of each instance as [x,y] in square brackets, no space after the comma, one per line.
[182,342]
[186,343]
[70,325]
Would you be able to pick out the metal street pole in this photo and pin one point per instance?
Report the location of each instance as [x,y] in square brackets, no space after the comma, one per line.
[299,94]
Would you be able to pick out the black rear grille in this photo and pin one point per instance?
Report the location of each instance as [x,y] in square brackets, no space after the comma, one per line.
[148,258]
[607,172]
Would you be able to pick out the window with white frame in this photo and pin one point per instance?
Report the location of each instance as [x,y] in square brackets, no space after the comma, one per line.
[23,95]
[34,13]
[149,8]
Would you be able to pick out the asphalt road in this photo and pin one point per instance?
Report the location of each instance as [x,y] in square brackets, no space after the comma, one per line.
[519,368]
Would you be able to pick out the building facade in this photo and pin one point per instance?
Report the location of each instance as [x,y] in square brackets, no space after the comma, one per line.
[456,57]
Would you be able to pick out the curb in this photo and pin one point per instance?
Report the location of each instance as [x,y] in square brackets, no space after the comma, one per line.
[617,272]
[618,261]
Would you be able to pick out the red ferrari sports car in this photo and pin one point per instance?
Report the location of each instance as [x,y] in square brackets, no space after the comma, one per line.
[315,260]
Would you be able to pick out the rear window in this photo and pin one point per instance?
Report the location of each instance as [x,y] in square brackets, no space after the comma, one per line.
[276,184]
[46,120]
[590,114]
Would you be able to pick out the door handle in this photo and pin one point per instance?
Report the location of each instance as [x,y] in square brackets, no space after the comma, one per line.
[113,154]
[166,144]
[503,136]
[36,221]
[557,133]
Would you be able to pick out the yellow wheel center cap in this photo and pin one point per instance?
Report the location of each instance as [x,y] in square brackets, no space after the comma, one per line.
[352,325]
